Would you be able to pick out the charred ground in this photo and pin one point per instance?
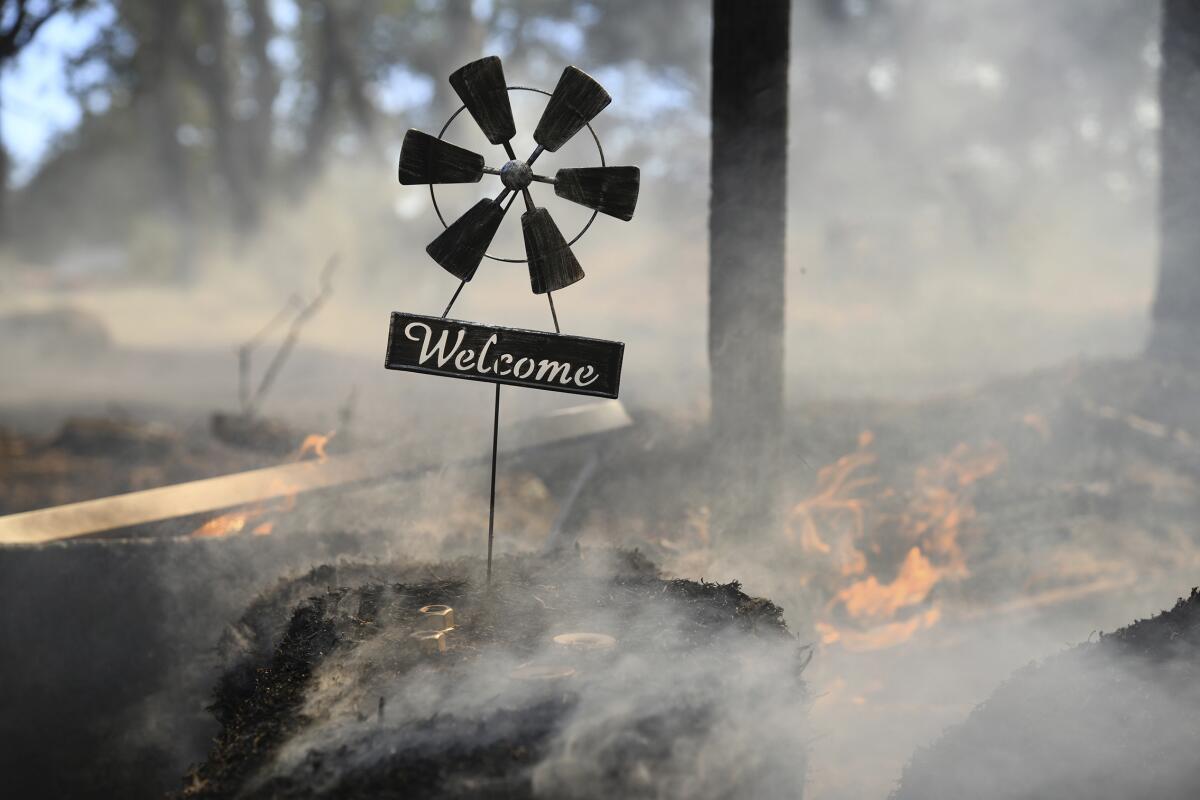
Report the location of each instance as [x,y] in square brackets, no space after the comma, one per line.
[1114,718]
[264,701]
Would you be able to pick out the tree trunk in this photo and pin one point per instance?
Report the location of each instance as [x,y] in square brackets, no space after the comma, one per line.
[747,227]
[4,173]
[231,157]
[336,66]
[265,88]
[1176,312]
[160,64]
[464,43]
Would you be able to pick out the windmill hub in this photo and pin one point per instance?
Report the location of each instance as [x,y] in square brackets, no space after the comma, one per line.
[516,175]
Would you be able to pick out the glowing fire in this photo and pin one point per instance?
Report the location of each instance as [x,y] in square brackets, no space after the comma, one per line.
[235,522]
[870,599]
[314,444]
[865,532]
[224,525]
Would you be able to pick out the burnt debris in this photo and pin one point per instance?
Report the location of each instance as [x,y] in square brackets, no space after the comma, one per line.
[1117,717]
[300,712]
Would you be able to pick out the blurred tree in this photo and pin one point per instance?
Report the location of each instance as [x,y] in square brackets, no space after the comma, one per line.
[20,21]
[335,33]
[1176,312]
[265,83]
[747,229]
[212,67]
[224,105]
[158,70]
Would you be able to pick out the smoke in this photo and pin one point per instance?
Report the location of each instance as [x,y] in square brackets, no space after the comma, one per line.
[684,706]
[971,194]
[1108,719]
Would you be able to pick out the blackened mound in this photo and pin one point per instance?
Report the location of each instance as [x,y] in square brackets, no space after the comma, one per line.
[1115,718]
[339,701]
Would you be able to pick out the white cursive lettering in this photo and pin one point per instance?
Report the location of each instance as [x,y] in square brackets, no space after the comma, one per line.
[438,349]
[517,367]
[463,359]
[482,368]
[585,372]
[443,348]
[556,370]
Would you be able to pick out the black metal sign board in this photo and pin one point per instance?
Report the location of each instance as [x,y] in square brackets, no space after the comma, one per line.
[534,359]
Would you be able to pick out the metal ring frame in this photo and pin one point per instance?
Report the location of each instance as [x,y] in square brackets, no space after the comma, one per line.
[582,231]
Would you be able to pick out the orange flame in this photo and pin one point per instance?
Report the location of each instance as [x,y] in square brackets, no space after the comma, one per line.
[223,525]
[315,444]
[843,522]
[235,522]
[836,507]
[871,599]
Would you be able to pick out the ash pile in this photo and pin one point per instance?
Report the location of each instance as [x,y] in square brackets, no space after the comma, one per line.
[586,675]
[1111,719]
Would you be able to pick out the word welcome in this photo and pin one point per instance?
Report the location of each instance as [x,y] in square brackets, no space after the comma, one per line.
[535,359]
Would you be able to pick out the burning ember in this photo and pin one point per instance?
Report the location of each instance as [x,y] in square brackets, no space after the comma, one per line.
[224,525]
[865,530]
[235,522]
[314,445]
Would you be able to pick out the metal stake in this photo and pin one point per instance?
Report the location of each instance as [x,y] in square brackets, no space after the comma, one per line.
[454,297]
[492,502]
[553,313]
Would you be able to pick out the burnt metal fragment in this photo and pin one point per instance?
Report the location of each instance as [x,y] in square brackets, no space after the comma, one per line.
[431,642]
[437,618]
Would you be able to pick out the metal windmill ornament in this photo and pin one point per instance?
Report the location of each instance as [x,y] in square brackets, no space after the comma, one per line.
[473,351]
[575,101]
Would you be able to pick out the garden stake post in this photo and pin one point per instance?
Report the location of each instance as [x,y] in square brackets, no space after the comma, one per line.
[473,351]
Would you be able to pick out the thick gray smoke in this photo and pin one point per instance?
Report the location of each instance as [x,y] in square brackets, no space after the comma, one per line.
[971,195]
[670,712]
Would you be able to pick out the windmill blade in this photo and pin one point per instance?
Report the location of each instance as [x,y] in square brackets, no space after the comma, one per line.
[609,190]
[461,247]
[427,159]
[481,87]
[552,265]
[576,100]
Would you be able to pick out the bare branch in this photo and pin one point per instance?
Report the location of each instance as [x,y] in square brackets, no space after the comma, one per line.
[25,25]
[293,334]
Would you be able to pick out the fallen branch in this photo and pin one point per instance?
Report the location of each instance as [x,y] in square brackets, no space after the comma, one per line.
[256,486]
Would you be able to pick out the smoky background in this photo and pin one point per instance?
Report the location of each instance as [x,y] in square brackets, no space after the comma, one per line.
[971,196]
[971,189]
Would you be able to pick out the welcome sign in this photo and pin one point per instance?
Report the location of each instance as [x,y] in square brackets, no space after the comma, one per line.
[534,359]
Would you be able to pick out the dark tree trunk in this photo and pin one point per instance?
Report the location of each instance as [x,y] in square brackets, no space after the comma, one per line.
[4,171]
[337,66]
[214,79]
[320,121]
[160,63]
[1177,304]
[265,88]
[747,227]
[162,73]
[464,43]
